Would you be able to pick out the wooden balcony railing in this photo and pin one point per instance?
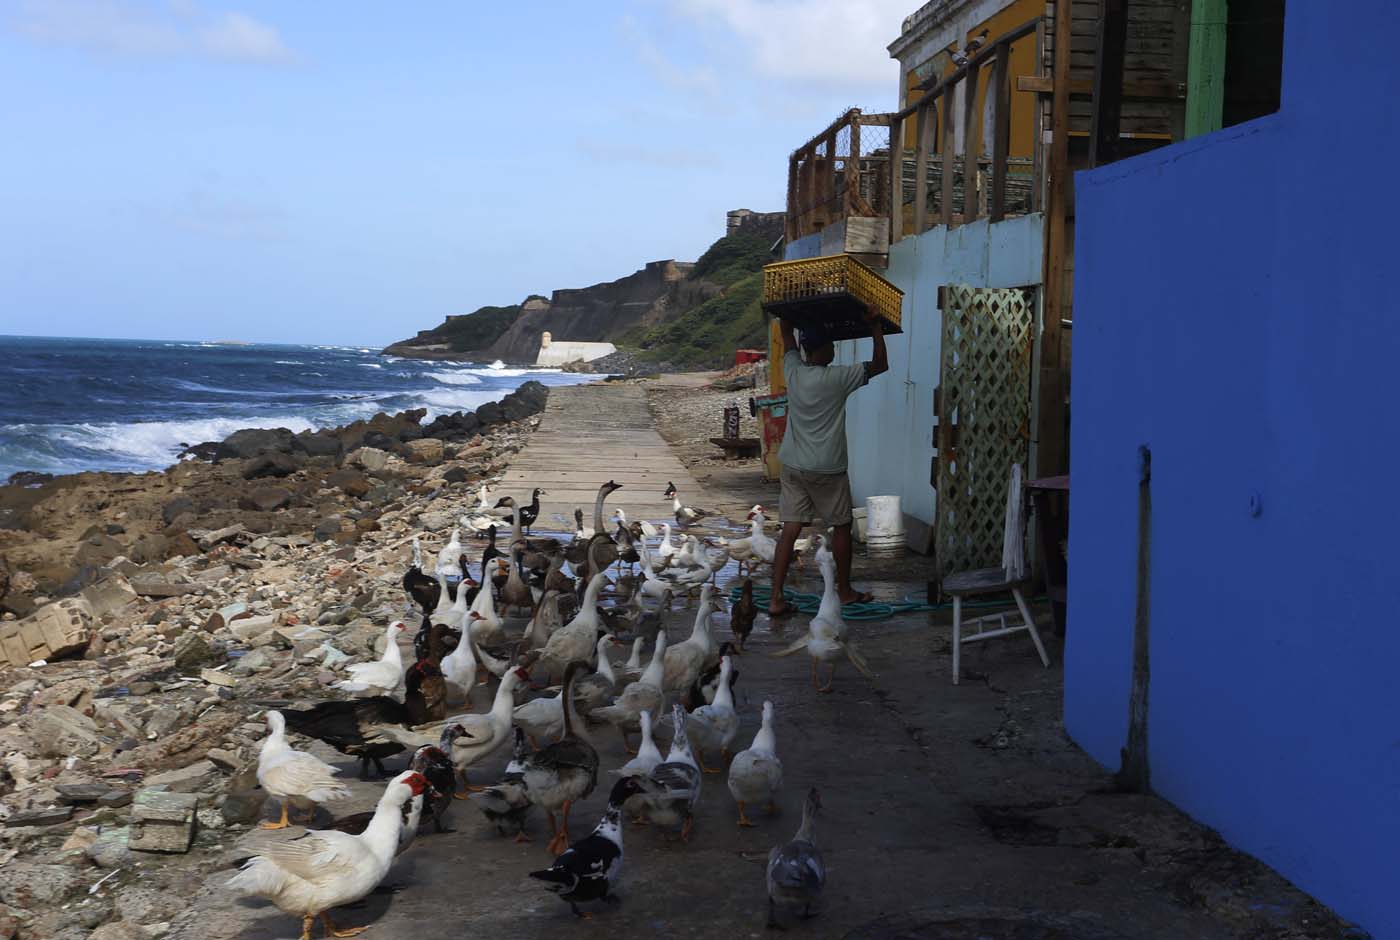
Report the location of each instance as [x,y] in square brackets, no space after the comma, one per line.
[931,185]
[840,173]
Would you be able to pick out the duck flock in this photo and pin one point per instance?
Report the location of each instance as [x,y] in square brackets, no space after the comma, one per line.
[557,686]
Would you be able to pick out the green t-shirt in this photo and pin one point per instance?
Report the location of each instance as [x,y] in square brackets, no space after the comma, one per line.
[815,439]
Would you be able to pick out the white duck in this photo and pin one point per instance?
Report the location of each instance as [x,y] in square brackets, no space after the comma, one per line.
[665,550]
[756,774]
[714,726]
[686,660]
[477,736]
[542,719]
[456,614]
[449,559]
[486,626]
[384,676]
[459,667]
[648,756]
[577,641]
[761,545]
[643,695]
[294,776]
[326,868]
[632,669]
[826,639]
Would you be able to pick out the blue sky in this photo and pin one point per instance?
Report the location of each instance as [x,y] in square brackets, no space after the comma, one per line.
[352,172]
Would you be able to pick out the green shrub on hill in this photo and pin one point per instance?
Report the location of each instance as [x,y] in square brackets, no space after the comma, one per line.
[706,336]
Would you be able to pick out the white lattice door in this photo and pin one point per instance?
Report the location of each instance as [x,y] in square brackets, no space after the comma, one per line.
[984,410]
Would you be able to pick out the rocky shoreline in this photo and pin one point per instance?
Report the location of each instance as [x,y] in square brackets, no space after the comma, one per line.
[196,596]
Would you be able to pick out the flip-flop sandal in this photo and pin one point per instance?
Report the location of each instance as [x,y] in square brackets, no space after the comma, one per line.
[862,597]
[787,611]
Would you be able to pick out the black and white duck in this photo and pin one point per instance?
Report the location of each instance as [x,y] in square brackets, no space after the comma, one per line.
[673,786]
[685,515]
[587,870]
[506,804]
[796,870]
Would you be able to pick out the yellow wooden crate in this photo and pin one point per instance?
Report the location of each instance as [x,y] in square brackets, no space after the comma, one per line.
[833,291]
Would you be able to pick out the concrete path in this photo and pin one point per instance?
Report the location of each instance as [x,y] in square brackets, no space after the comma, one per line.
[949,811]
[590,434]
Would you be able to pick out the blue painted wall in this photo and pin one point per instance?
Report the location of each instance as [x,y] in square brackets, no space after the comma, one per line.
[1236,311]
[889,424]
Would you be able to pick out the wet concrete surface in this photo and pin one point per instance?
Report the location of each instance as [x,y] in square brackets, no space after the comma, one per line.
[948,812]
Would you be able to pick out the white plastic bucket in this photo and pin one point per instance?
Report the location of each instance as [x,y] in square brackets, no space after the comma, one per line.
[884,525]
[858,523]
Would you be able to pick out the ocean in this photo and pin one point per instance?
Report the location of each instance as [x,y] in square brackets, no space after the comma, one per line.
[68,405]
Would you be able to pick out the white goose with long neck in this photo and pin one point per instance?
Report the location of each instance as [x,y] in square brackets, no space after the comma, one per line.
[828,620]
[765,740]
[459,666]
[605,666]
[587,616]
[381,836]
[655,672]
[442,613]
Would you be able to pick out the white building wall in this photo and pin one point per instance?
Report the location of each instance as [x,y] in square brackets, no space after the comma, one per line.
[889,423]
[558,353]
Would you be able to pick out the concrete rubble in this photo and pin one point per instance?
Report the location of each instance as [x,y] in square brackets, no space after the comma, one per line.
[130,714]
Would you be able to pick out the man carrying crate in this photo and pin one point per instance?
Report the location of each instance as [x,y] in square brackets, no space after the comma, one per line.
[813,452]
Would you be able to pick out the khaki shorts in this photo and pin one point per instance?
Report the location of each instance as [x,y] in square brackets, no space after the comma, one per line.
[808,495]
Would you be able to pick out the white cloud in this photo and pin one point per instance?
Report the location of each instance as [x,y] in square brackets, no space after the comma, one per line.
[177,28]
[696,78]
[833,41]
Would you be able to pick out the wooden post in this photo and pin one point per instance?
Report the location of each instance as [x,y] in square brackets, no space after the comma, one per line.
[853,166]
[948,148]
[972,144]
[805,171]
[1205,70]
[792,234]
[1108,82]
[921,170]
[896,180]
[1050,426]
[829,208]
[1000,88]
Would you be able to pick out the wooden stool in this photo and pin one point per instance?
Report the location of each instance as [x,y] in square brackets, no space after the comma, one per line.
[988,581]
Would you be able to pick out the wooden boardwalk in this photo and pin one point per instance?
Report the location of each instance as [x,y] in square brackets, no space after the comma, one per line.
[590,434]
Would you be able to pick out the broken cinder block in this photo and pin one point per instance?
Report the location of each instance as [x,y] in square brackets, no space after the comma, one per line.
[162,822]
[55,630]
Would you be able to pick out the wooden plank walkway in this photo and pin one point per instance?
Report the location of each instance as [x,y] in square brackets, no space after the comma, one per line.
[590,434]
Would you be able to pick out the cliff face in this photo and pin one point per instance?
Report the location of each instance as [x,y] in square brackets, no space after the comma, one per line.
[672,308]
[596,314]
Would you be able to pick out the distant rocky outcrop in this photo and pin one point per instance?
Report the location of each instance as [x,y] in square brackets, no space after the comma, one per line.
[623,312]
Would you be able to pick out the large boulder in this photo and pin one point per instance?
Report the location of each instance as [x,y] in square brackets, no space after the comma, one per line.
[320,443]
[177,507]
[426,450]
[271,464]
[489,414]
[97,550]
[250,442]
[371,459]
[62,731]
[267,498]
[350,482]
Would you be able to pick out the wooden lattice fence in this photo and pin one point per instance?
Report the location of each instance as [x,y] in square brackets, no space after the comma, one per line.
[984,418]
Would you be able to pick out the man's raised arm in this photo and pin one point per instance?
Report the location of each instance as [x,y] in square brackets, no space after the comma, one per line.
[879,362]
